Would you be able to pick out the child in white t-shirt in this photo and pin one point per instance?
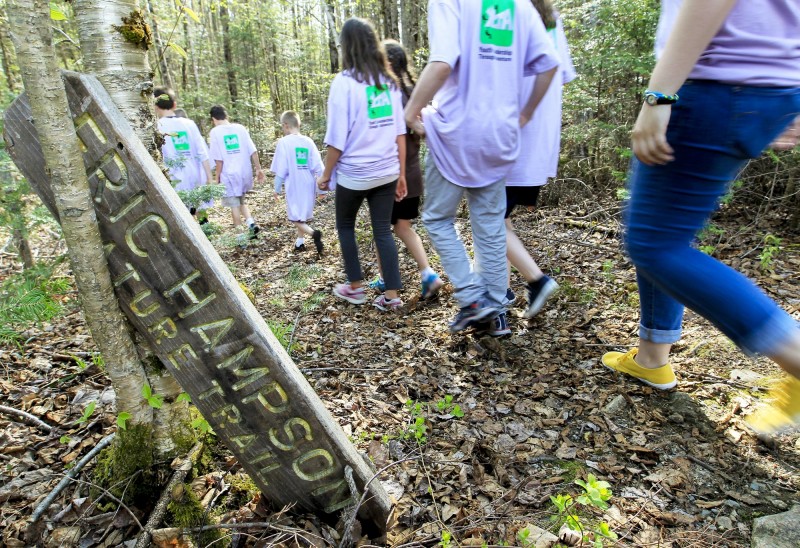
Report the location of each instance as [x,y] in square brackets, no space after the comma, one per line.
[184,149]
[538,161]
[297,164]
[234,151]
[479,53]
[367,147]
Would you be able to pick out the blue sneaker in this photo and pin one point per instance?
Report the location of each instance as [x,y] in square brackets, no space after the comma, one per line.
[431,285]
[538,292]
[495,327]
[510,297]
[471,315]
[377,284]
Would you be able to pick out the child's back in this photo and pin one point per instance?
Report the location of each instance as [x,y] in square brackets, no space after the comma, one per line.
[297,161]
[231,144]
[184,151]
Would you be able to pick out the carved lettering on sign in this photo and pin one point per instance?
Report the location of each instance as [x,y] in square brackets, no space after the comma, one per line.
[184,302]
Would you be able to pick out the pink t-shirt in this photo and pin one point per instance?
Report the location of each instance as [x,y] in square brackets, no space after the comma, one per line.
[472,127]
[231,144]
[364,122]
[758,45]
[541,137]
[184,151]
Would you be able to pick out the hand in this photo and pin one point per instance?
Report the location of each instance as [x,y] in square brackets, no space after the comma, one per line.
[323,182]
[415,125]
[402,190]
[649,138]
[788,139]
[524,119]
[277,196]
[260,175]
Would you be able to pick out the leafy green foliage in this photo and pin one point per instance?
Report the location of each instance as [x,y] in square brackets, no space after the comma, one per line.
[153,400]
[30,298]
[87,412]
[122,420]
[575,512]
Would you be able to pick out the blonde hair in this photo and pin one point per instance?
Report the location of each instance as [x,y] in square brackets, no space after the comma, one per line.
[291,119]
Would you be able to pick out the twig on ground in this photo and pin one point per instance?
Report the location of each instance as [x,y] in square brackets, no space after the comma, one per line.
[359,369]
[45,504]
[160,509]
[27,417]
[710,468]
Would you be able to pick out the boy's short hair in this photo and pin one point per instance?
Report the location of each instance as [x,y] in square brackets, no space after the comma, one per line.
[165,98]
[291,119]
[218,112]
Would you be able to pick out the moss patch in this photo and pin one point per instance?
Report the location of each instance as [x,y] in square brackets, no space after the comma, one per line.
[136,30]
[126,468]
[185,511]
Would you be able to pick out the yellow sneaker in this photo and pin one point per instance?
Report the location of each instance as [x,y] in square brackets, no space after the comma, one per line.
[782,414]
[662,377]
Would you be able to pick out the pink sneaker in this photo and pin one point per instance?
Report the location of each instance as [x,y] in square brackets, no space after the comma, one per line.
[387,305]
[349,294]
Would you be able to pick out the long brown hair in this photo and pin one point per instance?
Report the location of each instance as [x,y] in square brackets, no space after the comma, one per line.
[399,63]
[547,11]
[362,54]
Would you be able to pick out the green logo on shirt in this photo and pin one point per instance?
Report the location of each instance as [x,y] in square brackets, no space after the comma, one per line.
[180,140]
[379,102]
[497,22]
[231,142]
[301,155]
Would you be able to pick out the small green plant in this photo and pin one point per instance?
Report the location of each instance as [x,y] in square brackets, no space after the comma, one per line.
[201,425]
[153,400]
[416,430]
[447,406]
[623,194]
[707,249]
[64,439]
[608,269]
[594,496]
[183,397]
[122,420]
[728,198]
[282,332]
[87,412]
[446,541]
[30,298]
[772,247]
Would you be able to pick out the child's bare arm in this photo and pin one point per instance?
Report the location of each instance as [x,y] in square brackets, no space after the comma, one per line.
[430,81]
[207,169]
[540,87]
[402,190]
[218,171]
[331,159]
[257,166]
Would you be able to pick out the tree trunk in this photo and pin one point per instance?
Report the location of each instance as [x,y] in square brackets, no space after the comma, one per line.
[122,67]
[161,49]
[8,60]
[40,74]
[227,53]
[120,64]
[333,38]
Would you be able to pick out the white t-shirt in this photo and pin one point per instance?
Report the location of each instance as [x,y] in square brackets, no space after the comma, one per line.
[231,144]
[472,127]
[364,122]
[541,136]
[184,151]
[297,161]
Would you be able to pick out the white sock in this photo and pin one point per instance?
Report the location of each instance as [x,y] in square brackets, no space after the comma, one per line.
[250,221]
[299,241]
[426,272]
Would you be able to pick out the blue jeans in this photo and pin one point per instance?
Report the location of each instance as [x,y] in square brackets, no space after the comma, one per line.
[489,279]
[714,129]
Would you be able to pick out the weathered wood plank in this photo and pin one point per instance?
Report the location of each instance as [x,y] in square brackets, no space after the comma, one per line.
[184,301]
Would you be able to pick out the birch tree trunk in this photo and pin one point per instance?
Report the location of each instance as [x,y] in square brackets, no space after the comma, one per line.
[108,31]
[8,61]
[41,77]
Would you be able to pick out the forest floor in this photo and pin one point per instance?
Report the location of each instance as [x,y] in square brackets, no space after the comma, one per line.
[539,409]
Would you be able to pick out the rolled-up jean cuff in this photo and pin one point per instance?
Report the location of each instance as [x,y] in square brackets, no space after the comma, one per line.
[659,336]
[768,338]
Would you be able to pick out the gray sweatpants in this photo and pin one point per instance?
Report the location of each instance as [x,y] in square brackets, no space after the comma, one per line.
[487,205]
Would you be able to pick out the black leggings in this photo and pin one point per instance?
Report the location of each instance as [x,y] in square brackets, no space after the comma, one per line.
[380,201]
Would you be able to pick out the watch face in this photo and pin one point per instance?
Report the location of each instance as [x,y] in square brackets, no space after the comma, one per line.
[651,99]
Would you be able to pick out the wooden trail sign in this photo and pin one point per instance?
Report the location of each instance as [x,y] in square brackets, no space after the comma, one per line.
[183,300]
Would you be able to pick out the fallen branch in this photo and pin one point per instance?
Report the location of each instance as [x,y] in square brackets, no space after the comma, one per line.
[27,417]
[160,509]
[45,504]
[337,369]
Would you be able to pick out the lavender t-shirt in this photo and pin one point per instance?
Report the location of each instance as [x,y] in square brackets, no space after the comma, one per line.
[541,137]
[298,162]
[472,127]
[364,122]
[184,151]
[231,144]
[758,45]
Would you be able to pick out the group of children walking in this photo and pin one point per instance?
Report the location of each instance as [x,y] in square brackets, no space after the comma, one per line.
[488,104]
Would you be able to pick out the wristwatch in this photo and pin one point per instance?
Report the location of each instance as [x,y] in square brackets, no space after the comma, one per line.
[654,98]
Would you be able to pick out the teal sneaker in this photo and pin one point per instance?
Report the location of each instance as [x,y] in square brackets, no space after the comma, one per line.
[377,284]
[431,284]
